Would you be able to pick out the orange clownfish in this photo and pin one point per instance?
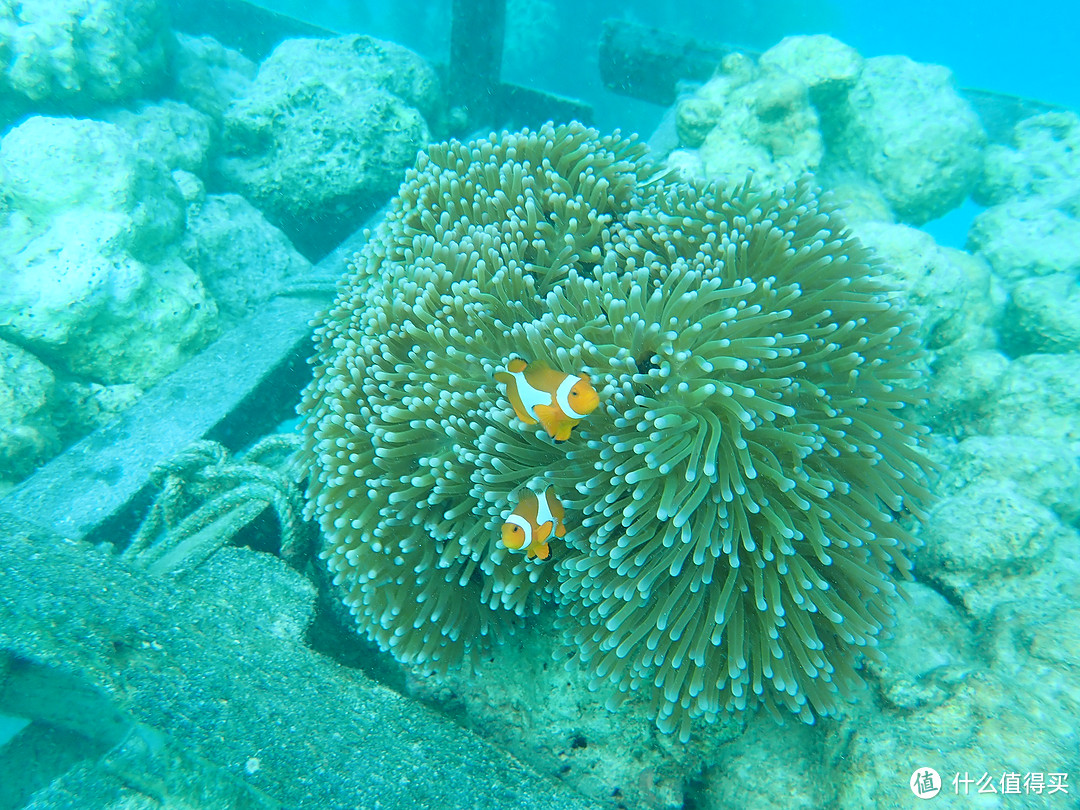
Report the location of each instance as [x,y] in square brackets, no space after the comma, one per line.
[532,523]
[540,394]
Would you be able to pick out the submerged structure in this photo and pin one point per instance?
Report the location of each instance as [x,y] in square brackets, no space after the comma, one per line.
[732,504]
[707,534]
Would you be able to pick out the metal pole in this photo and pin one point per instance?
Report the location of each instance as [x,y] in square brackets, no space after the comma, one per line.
[476,50]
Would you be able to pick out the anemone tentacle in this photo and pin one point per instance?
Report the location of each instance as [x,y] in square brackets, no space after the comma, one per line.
[732,504]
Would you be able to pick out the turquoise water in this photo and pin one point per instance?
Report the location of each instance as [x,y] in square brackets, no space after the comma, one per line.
[998,46]
[1021,50]
[265,270]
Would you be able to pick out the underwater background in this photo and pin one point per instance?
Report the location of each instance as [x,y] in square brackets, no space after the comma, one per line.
[259,430]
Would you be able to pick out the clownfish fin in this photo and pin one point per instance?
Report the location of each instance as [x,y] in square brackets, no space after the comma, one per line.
[554,421]
[544,378]
[543,531]
[560,528]
[563,433]
[543,551]
[515,365]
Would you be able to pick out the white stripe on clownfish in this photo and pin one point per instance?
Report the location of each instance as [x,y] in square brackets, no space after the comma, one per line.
[526,527]
[543,509]
[533,523]
[539,393]
[531,397]
[562,397]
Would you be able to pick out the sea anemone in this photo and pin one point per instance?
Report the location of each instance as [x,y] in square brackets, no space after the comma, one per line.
[733,503]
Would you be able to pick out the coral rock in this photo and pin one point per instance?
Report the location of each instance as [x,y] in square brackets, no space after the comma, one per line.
[1045,471]
[825,65]
[1030,237]
[988,529]
[1043,159]
[747,121]
[177,135]
[80,298]
[241,258]
[906,127]
[965,386]
[326,128]
[1037,396]
[83,52]
[947,290]
[94,284]
[1043,316]
[208,76]
[27,396]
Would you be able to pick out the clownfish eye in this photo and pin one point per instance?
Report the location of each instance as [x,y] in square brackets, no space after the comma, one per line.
[583,397]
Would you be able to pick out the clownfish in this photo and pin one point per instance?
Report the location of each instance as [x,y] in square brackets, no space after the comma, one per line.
[540,394]
[532,523]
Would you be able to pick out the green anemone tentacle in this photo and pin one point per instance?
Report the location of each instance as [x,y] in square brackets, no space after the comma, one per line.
[732,503]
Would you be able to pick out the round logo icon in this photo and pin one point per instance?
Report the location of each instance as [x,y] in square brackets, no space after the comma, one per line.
[925,783]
